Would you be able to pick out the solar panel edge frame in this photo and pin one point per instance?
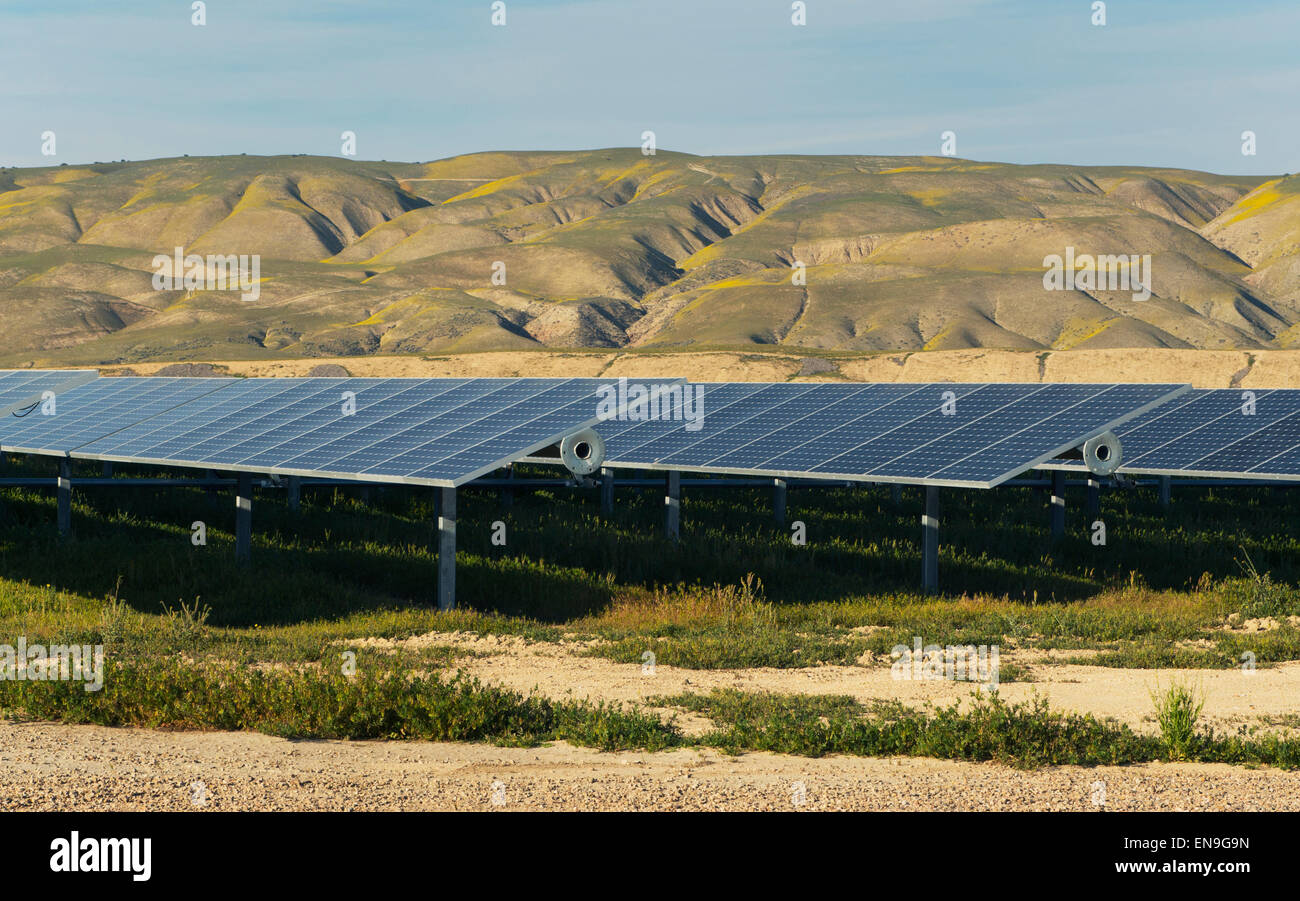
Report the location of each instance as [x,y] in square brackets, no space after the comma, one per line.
[1189,473]
[800,474]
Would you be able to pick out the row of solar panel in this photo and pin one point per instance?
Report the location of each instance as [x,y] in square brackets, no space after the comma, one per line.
[1221,433]
[448,431]
[426,431]
[970,435]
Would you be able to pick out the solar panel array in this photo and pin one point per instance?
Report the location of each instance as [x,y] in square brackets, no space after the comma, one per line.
[966,435]
[449,431]
[1225,433]
[23,388]
[421,431]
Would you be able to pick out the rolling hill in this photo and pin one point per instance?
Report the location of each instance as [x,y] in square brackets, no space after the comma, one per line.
[613,249]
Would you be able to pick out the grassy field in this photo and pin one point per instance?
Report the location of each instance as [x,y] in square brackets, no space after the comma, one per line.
[181,623]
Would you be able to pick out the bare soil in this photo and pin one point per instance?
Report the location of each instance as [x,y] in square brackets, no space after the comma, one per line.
[83,768]
[47,766]
[560,670]
[1202,368]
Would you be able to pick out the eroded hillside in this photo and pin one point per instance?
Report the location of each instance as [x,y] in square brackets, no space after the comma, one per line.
[610,249]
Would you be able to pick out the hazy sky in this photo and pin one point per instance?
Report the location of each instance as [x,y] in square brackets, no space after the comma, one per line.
[1164,82]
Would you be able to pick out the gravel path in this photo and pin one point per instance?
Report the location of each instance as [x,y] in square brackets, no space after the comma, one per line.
[74,768]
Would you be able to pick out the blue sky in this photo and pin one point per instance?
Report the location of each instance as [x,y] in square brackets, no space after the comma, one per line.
[1164,83]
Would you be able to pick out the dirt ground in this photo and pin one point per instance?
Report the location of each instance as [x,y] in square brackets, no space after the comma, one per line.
[83,768]
[1232,697]
[1203,368]
[59,767]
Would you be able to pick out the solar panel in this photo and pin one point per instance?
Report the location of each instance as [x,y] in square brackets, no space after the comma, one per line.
[967,435]
[1218,433]
[99,408]
[181,432]
[306,432]
[23,388]
[422,431]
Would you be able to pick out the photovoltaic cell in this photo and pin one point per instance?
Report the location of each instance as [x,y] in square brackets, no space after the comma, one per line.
[653,439]
[531,433]
[183,424]
[418,425]
[804,438]
[916,434]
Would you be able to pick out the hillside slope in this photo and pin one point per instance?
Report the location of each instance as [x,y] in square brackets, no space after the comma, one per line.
[609,248]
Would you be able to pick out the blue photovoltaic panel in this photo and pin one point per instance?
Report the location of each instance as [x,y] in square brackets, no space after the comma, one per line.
[973,435]
[312,435]
[423,431]
[473,429]
[31,422]
[21,388]
[875,439]
[804,439]
[1223,433]
[214,418]
[1076,412]
[99,408]
[418,431]
[447,431]
[634,437]
[530,433]
[726,405]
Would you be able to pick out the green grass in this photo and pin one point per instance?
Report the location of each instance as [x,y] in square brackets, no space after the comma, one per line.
[175,694]
[1025,734]
[987,729]
[1177,710]
[308,703]
[1229,650]
[734,593]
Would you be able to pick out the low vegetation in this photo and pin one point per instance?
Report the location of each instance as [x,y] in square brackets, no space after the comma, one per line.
[194,642]
[310,704]
[1026,734]
[398,705]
